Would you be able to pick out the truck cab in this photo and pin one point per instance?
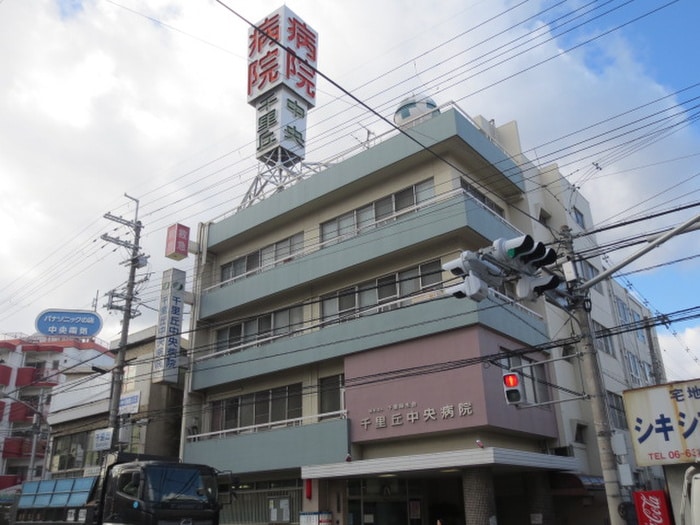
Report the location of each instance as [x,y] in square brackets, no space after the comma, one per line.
[141,491]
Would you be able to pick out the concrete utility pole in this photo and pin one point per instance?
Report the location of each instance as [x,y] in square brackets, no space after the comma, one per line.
[594,386]
[580,304]
[134,262]
[37,427]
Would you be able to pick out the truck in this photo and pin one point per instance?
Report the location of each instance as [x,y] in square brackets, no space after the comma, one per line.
[130,489]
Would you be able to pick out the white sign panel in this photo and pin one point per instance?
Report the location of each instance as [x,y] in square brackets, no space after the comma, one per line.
[170,313]
[664,423]
[102,439]
[270,66]
[129,403]
[281,122]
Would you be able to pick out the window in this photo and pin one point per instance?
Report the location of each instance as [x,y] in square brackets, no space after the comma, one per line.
[622,311]
[128,483]
[634,368]
[277,253]
[281,322]
[377,212]
[257,409]
[365,297]
[330,394]
[578,217]
[587,272]
[387,289]
[617,411]
[637,320]
[69,451]
[480,197]
[580,433]
[603,339]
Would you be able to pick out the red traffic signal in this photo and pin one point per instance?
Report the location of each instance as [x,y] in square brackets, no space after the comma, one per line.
[513,388]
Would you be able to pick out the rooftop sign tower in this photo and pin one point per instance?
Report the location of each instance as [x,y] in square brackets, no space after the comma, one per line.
[282,58]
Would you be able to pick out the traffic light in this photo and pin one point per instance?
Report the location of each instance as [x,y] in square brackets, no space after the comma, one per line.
[523,253]
[478,275]
[513,387]
[525,257]
[471,287]
[529,287]
[511,250]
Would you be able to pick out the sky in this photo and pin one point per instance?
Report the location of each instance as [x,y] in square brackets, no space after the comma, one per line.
[137,109]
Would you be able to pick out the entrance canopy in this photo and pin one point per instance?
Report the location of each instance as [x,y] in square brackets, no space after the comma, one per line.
[437,461]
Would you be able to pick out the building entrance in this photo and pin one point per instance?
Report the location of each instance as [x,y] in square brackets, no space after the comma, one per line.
[409,501]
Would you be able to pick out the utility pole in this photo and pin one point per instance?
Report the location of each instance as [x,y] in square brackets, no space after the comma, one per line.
[580,305]
[593,384]
[37,428]
[134,262]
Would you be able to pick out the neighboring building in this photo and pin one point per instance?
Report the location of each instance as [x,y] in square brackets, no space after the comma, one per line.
[331,373]
[629,358]
[150,414]
[30,366]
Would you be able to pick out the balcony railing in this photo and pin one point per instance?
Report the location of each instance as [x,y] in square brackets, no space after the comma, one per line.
[271,425]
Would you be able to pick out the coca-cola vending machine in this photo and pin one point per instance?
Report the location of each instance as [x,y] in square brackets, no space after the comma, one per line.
[652,507]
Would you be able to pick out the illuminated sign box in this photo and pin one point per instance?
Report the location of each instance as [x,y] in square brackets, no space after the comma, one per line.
[177,242]
[270,66]
[69,323]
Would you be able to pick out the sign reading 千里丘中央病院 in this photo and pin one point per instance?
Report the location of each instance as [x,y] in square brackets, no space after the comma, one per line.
[168,331]
[70,323]
[664,422]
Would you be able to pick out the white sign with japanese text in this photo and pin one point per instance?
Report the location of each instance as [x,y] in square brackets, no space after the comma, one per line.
[293,65]
[170,313]
[281,123]
[664,422]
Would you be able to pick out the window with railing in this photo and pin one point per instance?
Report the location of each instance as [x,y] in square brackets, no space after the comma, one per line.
[388,292]
[481,197]
[381,293]
[375,213]
[273,254]
[258,410]
[279,323]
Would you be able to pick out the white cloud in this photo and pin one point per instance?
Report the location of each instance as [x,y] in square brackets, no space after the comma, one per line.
[103,101]
[680,353]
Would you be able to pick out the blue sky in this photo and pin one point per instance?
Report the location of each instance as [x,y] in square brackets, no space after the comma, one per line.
[147,97]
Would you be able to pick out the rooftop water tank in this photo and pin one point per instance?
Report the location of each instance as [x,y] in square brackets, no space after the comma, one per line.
[415,109]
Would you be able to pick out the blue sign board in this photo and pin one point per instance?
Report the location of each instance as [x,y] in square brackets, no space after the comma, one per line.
[73,323]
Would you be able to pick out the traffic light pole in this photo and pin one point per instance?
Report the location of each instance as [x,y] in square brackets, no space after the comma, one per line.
[594,387]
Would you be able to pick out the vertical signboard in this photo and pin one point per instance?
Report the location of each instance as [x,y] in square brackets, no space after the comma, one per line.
[664,422]
[170,314]
[292,65]
[177,242]
[281,84]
